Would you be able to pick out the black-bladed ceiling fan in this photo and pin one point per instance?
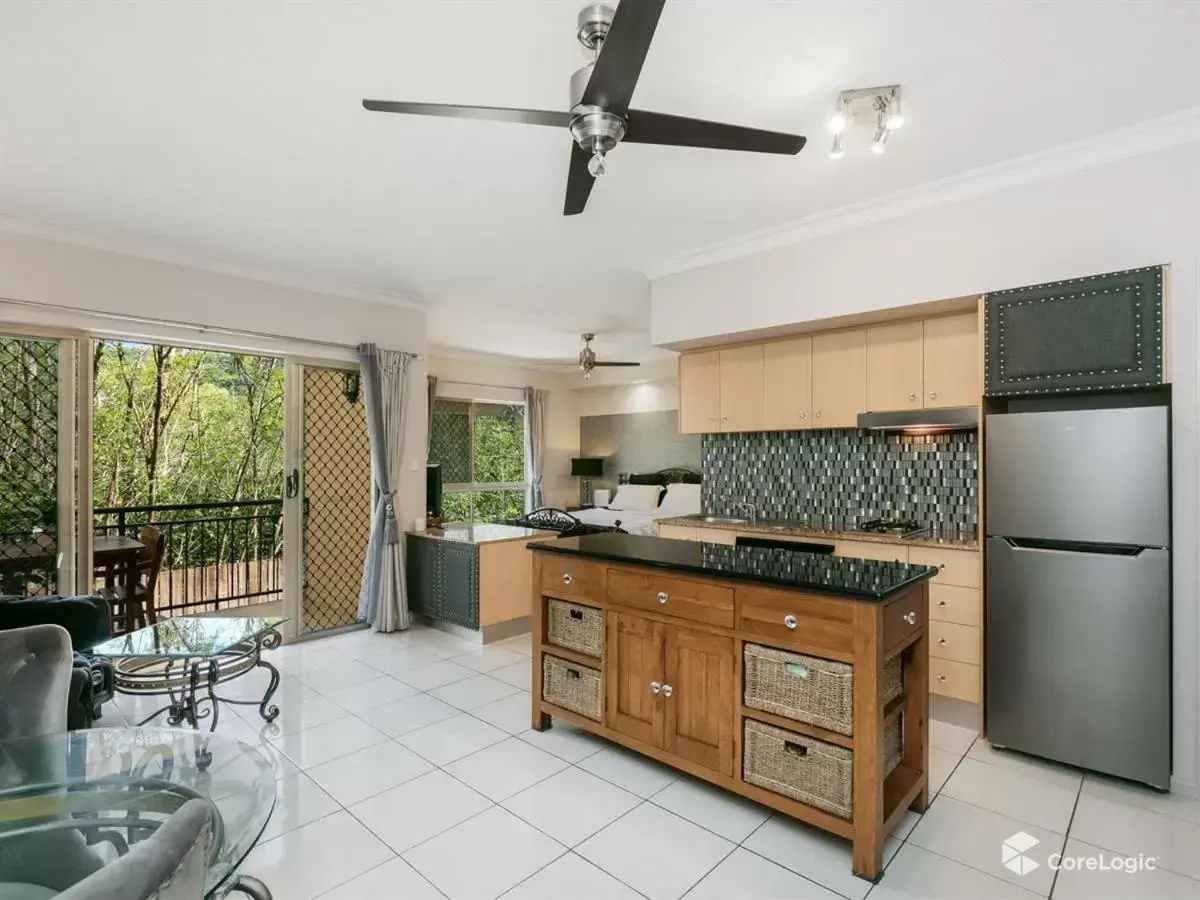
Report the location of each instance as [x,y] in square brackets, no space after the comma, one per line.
[587,358]
[599,116]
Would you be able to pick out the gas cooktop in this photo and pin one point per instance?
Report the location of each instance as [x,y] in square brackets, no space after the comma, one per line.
[905,528]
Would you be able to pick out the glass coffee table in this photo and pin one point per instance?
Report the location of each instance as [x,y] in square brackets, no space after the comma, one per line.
[185,659]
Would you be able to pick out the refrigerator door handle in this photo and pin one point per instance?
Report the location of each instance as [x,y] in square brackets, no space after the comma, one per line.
[1030,545]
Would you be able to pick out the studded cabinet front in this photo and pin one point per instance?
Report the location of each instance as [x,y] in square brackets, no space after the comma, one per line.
[1082,334]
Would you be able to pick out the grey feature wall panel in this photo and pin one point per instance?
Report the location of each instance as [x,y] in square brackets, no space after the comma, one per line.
[844,476]
[637,442]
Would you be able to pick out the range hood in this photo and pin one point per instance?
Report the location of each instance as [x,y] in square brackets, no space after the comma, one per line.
[951,418]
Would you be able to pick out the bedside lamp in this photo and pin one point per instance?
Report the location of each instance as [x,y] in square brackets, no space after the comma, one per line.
[586,467]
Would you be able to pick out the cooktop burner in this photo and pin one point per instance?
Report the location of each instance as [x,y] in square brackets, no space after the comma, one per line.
[900,527]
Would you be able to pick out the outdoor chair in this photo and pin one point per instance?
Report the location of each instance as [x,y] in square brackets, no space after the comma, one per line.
[135,603]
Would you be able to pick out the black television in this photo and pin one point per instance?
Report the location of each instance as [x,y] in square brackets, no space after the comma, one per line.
[433,490]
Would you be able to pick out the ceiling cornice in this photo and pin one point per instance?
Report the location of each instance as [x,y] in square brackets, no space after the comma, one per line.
[1135,140]
[129,247]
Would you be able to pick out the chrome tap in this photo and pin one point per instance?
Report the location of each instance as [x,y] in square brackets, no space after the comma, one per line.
[748,508]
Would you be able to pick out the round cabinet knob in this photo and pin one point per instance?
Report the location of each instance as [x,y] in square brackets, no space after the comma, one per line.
[818,414]
[941,567]
[941,604]
[933,395]
[724,418]
[567,578]
[667,690]
[910,618]
[655,687]
[662,597]
[803,415]
[912,396]
[790,622]
[941,642]
[941,678]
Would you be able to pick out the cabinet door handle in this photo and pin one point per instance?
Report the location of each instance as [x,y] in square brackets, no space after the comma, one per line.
[724,418]
[941,604]
[655,687]
[941,642]
[567,578]
[910,618]
[667,690]
[662,597]
[933,395]
[941,678]
[912,396]
[803,415]
[818,414]
[790,622]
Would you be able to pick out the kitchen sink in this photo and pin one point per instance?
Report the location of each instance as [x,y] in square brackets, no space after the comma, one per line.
[722,520]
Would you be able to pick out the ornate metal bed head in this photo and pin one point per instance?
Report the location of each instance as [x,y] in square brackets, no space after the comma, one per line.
[670,475]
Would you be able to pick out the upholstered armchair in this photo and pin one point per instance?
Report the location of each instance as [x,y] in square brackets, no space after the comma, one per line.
[35,678]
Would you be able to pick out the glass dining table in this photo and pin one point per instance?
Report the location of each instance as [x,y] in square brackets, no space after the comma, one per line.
[72,803]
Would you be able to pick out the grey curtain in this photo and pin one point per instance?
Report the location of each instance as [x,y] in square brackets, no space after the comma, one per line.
[382,600]
[431,388]
[535,446]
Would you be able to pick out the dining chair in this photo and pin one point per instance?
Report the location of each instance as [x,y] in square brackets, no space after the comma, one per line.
[35,681]
[140,594]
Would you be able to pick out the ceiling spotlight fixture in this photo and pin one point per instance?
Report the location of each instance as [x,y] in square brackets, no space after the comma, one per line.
[879,106]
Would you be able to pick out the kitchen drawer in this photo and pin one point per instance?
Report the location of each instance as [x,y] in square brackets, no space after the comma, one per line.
[816,625]
[692,600]
[961,605]
[572,579]
[715,536]
[954,679]
[957,643]
[956,567]
[903,616]
[677,532]
[872,550]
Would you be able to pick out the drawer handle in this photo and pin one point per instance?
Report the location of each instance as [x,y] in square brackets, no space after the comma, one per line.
[791,748]
[655,687]
[577,614]
[667,690]
[911,617]
[573,673]
[941,678]
[790,622]
[941,604]
[662,597]
[912,396]
[933,395]
[941,567]
[567,578]
[941,642]
[804,415]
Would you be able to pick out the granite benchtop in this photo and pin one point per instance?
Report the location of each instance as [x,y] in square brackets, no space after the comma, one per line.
[952,540]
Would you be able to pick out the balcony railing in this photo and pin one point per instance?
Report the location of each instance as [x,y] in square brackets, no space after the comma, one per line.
[217,555]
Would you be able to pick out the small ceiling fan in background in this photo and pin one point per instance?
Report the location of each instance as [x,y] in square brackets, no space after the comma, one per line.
[587,358]
[599,116]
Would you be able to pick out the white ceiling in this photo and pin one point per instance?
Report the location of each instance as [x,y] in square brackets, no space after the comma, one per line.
[232,132]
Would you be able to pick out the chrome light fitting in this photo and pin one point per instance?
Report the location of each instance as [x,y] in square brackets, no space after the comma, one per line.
[882,106]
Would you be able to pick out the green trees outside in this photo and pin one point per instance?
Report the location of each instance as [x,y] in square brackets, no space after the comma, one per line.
[479,444]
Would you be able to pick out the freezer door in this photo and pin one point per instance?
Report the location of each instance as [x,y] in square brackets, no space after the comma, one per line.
[1087,475]
[1079,658]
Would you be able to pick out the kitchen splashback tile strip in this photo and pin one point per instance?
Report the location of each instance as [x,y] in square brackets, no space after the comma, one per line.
[844,476]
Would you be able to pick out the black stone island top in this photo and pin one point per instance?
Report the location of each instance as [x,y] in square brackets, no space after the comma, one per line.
[867,579]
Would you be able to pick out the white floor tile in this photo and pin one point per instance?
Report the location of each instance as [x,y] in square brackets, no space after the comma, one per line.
[370,694]
[521,643]
[397,660]
[365,773]
[393,879]
[1175,805]
[314,746]
[409,714]
[505,768]
[311,660]
[817,855]
[451,739]
[484,856]
[1053,773]
[298,801]
[305,863]
[253,685]
[512,714]
[1012,793]
[435,675]
[655,852]
[485,659]
[941,764]
[631,771]
[472,693]
[575,877]
[566,741]
[917,874]
[307,712]
[347,673]
[951,738]
[1130,830]
[419,809]
[1080,883]
[745,875]
[974,837]
[518,675]
[731,816]
[572,806]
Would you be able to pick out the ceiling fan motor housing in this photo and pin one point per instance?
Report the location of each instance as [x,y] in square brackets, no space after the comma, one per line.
[593,21]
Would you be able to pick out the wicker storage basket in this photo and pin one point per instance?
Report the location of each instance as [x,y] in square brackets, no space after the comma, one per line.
[573,687]
[808,688]
[808,770]
[576,627]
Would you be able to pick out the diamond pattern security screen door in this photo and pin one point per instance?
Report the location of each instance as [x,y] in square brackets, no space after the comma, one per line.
[336,487]
[29,466]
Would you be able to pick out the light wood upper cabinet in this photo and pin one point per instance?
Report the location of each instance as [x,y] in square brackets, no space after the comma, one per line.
[700,392]
[787,384]
[741,388]
[703,697]
[895,366]
[952,361]
[839,378]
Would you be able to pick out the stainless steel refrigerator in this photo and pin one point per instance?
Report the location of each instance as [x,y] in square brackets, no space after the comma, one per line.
[1078,575]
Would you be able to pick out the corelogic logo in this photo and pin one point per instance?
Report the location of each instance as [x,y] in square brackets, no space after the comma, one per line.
[1013,850]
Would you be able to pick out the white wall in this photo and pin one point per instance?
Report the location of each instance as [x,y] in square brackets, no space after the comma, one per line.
[646,396]
[472,379]
[1138,211]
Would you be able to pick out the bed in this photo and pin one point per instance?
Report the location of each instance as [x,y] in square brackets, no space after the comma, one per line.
[639,515]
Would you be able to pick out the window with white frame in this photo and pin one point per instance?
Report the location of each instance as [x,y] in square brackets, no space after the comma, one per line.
[481,448]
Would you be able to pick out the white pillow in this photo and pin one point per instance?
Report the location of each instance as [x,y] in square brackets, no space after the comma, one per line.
[681,500]
[636,497]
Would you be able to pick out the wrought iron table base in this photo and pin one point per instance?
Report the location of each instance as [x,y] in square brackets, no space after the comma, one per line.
[251,887]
